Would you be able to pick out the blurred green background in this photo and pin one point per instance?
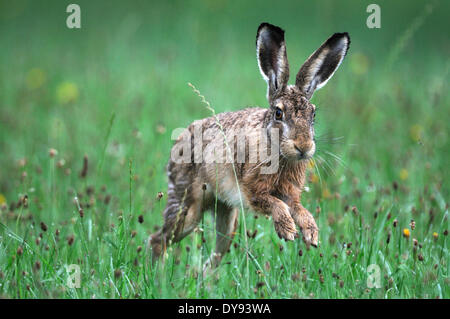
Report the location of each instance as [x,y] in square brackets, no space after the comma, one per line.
[116,88]
[60,86]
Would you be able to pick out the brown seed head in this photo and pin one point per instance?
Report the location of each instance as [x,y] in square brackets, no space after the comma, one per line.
[44,227]
[60,163]
[107,199]
[260,284]
[84,170]
[70,240]
[412,224]
[395,185]
[24,201]
[52,152]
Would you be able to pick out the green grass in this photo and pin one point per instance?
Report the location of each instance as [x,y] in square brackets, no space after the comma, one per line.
[116,89]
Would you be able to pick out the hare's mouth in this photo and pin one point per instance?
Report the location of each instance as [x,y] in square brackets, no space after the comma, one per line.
[293,151]
[302,154]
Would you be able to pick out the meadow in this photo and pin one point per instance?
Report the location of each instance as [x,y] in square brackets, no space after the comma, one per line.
[86,118]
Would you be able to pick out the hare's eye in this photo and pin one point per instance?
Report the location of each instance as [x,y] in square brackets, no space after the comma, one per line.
[278,114]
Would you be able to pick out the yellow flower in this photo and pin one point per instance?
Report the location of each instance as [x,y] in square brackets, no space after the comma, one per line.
[406,232]
[435,235]
[35,78]
[415,132]
[2,199]
[326,193]
[403,174]
[67,92]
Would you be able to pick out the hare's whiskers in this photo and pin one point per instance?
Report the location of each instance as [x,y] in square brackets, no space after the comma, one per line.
[337,158]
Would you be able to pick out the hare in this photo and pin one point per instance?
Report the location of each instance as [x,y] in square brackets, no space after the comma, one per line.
[195,186]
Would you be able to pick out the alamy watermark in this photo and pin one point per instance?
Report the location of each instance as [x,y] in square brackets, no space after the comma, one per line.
[73,276]
[374,276]
[213,146]
[374,19]
[73,21]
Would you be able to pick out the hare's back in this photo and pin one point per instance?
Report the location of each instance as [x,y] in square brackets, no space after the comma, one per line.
[242,119]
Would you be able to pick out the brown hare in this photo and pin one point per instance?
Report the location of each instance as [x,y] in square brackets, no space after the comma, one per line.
[243,179]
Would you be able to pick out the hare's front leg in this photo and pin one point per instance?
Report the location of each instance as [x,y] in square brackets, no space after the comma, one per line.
[282,220]
[304,219]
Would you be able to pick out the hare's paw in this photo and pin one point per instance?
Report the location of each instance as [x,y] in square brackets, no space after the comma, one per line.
[284,224]
[309,230]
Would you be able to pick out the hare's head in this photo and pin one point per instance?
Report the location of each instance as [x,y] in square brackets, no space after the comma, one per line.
[290,109]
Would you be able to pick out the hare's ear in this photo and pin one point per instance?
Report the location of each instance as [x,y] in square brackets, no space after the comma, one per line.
[272,58]
[322,64]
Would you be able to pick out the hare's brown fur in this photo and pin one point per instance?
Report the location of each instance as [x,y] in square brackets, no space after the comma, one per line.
[193,187]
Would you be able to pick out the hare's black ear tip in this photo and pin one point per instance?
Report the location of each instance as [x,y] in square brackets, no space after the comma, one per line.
[270,27]
[341,35]
[344,35]
[347,36]
[341,39]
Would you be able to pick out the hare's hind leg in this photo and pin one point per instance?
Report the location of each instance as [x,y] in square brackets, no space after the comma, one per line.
[181,216]
[226,224]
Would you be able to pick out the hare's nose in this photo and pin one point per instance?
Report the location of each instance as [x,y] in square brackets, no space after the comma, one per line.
[300,153]
[305,151]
